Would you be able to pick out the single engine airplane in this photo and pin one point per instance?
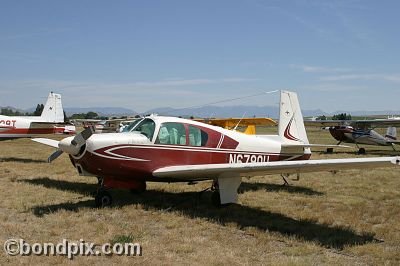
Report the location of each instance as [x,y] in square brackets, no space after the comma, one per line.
[233,123]
[360,131]
[12,127]
[170,149]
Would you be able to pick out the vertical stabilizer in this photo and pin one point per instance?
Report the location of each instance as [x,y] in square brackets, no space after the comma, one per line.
[391,133]
[53,110]
[291,124]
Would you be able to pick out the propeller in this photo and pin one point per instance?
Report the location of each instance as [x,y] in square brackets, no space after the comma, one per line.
[72,145]
[54,155]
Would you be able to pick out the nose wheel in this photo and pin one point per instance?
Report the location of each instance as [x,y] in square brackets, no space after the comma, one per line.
[102,199]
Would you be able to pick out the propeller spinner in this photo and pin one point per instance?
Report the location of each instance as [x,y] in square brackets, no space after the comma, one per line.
[72,145]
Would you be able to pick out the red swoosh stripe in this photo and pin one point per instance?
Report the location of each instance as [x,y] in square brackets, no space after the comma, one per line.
[287,131]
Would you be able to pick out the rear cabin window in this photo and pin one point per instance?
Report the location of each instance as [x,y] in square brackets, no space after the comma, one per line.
[197,137]
[171,133]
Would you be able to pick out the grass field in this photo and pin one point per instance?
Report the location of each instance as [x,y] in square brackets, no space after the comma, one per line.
[351,217]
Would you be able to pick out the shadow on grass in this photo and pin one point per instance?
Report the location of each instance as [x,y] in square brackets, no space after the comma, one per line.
[77,187]
[21,160]
[191,205]
[245,186]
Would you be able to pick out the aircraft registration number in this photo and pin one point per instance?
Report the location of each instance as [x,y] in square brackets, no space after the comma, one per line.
[248,158]
[8,123]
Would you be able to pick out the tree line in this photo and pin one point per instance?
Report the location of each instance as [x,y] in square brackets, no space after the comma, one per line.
[342,116]
[10,112]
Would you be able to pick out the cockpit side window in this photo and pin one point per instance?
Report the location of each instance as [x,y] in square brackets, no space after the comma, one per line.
[146,127]
[171,133]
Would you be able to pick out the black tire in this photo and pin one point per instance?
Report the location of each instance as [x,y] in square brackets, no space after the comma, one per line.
[216,199]
[138,190]
[103,199]
[361,151]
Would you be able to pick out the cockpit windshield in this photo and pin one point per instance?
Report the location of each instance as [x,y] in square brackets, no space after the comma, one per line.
[145,127]
[132,125]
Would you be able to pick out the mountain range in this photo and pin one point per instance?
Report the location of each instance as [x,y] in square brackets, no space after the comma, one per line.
[211,111]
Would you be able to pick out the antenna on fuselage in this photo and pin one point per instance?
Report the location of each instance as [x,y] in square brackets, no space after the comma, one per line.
[239,121]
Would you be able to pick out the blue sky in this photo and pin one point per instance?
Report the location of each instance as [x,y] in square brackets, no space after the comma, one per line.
[338,55]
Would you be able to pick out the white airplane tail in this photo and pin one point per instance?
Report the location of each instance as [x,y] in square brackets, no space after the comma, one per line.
[291,124]
[391,133]
[53,110]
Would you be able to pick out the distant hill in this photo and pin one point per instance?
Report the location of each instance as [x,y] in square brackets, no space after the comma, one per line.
[210,111]
[102,111]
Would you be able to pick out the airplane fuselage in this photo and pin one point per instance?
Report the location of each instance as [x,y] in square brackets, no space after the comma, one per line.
[127,156]
[21,127]
[350,135]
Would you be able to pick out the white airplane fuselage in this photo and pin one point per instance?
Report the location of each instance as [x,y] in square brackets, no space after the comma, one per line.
[21,127]
[27,126]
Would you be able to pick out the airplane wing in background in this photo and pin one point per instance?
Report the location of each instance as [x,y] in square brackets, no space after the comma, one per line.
[232,123]
[355,123]
[277,167]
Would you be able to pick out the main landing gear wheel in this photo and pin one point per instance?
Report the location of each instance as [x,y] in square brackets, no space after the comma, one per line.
[215,196]
[103,199]
[361,151]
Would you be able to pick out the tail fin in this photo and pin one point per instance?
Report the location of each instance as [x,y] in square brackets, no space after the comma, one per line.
[391,133]
[291,124]
[53,110]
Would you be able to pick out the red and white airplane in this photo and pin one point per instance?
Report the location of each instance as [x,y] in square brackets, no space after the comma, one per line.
[170,149]
[12,127]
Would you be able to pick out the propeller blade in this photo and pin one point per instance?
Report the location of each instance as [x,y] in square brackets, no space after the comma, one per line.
[54,155]
[81,138]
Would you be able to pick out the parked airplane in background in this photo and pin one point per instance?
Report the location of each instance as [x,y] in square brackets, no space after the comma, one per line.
[12,127]
[103,126]
[68,129]
[170,149]
[233,123]
[360,131]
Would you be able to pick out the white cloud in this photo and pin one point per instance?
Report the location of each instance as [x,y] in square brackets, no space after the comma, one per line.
[319,69]
[380,77]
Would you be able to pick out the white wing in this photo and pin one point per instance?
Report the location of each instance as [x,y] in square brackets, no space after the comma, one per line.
[203,171]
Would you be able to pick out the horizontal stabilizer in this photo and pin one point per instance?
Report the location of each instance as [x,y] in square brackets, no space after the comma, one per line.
[49,142]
